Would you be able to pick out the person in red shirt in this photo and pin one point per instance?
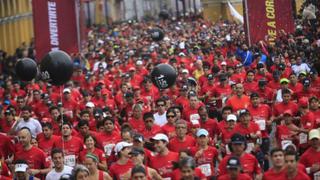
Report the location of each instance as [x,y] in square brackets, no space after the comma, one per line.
[121,167]
[249,163]
[205,155]
[70,106]
[226,133]
[205,122]
[162,161]
[90,142]
[136,121]
[46,139]
[239,100]
[150,128]
[6,146]
[71,145]
[234,170]
[91,162]
[7,122]
[182,140]
[250,85]
[106,140]
[286,104]
[278,165]
[169,127]
[294,84]
[315,108]
[187,169]
[266,94]
[292,171]
[311,157]
[182,100]
[190,112]
[36,158]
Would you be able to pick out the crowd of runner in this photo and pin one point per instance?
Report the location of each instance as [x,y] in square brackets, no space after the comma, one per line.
[235,111]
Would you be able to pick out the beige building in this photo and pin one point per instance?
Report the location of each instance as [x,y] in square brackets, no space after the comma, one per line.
[216,9]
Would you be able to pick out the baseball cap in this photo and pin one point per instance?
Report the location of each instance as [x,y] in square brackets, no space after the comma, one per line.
[210,76]
[302,73]
[260,65]
[243,112]
[202,132]
[223,63]
[90,105]
[20,167]
[160,136]
[284,80]
[231,117]
[136,151]
[185,71]
[128,94]
[184,88]
[139,62]
[66,90]
[303,102]
[287,112]
[306,82]
[8,111]
[238,139]
[119,146]
[233,162]
[253,95]
[138,137]
[262,82]
[223,77]
[314,133]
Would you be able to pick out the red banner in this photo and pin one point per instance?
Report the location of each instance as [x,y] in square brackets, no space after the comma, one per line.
[55,26]
[264,19]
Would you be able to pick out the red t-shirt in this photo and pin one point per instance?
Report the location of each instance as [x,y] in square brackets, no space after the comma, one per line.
[176,145]
[206,160]
[272,175]
[108,141]
[169,130]
[300,176]
[260,115]
[46,144]
[6,146]
[98,152]
[310,157]
[211,125]
[249,164]
[5,125]
[71,148]
[176,175]
[240,177]
[163,164]
[252,128]
[118,170]
[35,157]
[155,129]
[136,124]
[238,103]
[281,107]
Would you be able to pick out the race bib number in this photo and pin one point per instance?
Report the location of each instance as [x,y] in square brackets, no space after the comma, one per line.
[195,122]
[250,147]
[108,149]
[194,117]
[285,143]
[316,176]
[205,169]
[303,138]
[262,124]
[70,160]
[166,178]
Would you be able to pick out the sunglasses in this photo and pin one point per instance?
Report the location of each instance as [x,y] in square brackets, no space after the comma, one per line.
[170,116]
[160,105]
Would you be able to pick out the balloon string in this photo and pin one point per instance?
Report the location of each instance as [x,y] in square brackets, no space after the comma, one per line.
[61,114]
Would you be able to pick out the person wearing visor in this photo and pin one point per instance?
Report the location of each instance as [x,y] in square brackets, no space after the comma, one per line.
[21,171]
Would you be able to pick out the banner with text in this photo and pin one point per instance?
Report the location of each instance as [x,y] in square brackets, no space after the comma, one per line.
[56,26]
[265,19]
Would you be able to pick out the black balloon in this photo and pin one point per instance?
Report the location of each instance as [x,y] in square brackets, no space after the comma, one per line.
[156,34]
[163,76]
[26,69]
[56,67]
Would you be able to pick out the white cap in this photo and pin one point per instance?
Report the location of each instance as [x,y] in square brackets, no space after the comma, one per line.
[66,90]
[185,71]
[160,136]
[139,62]
[182,54]
[20,167]
[202,132]
[314,133]
[231,117]
[119,146]
[90,105]
[223,63]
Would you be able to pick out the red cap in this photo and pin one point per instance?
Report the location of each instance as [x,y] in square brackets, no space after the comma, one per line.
[105,92]
[303,102]
[289,112]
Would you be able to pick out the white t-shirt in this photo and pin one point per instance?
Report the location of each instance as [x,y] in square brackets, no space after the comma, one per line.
[160,119]
[33,124]
[54,175]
